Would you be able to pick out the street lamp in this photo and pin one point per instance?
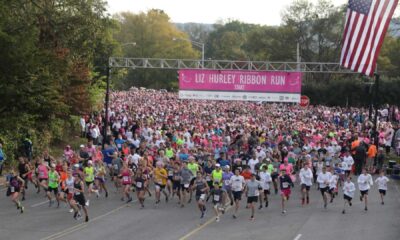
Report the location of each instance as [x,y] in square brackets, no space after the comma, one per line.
[197,44]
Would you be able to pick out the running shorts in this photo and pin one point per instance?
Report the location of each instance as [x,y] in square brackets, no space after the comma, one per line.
[253,199]
[286,192]
[303,186]
[382,191]
[237,195]
[365,192]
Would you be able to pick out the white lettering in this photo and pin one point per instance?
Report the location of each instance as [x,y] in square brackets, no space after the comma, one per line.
[278,80]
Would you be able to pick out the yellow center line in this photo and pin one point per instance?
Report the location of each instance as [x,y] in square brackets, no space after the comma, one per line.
[191,233]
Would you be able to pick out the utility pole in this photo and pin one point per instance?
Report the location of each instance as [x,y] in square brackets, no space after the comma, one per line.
[106,105]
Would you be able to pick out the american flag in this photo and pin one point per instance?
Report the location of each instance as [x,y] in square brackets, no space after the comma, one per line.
[365,28]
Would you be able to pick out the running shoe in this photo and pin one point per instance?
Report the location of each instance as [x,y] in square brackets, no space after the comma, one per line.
[343,212]
[284,211]
[266,204]
[129,200]
[106,194]
[234,216]
[365,209]
[87,203]
[202,214]
[87,219]
[217,219]
[22,209]
[260,207]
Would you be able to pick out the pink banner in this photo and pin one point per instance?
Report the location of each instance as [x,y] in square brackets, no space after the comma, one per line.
[242,81]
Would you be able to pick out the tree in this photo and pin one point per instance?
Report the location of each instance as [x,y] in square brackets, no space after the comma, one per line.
[153,34]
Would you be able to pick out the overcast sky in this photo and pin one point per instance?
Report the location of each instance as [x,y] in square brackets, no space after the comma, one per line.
[265,12]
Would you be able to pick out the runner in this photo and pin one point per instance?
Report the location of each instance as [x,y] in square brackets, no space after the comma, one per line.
[237,183]
[348,192]
[115,170]
[185,175]
[382,181]
[348,163]
[226,187]
[69,188]
[364,184]
[126,180]
[54,179]
[252,191]
[176,181]
[43,175]
[306,177]
[323,181]
[140,183]
[201,187]
[100,179]
[285,183]
[160,181]
[333,184]
[14,185]
[194,168]
[216,195]
[78,201]
[89,173]
[265,179]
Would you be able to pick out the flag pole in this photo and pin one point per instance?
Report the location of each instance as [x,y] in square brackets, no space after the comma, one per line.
[376,98]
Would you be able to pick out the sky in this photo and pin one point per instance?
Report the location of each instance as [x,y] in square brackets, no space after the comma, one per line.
[264,12]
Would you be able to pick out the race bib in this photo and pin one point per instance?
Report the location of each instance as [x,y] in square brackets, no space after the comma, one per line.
[227,182]
[285,185]
[170,173]
[186,185]
[119,146]
[41,174]
[78,193]
[116,166]
[125,178]
[216,198]
[208,178]
[243,162]
[12,189]
[202,197]
[138,184]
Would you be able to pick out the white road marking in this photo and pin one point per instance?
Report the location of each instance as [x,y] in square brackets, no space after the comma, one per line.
[38,204]
[297,237]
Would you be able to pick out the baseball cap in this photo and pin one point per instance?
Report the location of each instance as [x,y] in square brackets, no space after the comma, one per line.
[82,146]
[217,165]
[227,167]
[258,148]
[90,162]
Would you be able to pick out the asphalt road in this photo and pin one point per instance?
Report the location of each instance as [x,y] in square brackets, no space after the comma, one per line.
[112,219]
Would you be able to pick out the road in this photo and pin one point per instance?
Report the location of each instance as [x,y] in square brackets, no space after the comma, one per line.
[112,219]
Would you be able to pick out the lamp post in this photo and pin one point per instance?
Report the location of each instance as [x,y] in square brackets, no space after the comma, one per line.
[107,97]
[197,44]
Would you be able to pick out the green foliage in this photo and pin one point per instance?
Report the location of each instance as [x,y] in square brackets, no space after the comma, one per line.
[54,56]
[153,34]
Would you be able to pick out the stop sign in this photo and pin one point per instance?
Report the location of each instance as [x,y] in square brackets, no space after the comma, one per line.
[304,101]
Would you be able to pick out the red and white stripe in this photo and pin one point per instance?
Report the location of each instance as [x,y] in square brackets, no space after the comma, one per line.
[364,34]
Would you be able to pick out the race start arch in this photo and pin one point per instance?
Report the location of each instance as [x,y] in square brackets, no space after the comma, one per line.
[234,80]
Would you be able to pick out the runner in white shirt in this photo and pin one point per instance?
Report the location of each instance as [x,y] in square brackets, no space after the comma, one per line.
[382,181]
[348,192]
[252,163]
[306,177]
[237,183]
[265,179]
[364,184]
[333,181]
[349,161]
[323,181]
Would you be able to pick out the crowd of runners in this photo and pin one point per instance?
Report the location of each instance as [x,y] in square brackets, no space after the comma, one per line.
[213,152]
